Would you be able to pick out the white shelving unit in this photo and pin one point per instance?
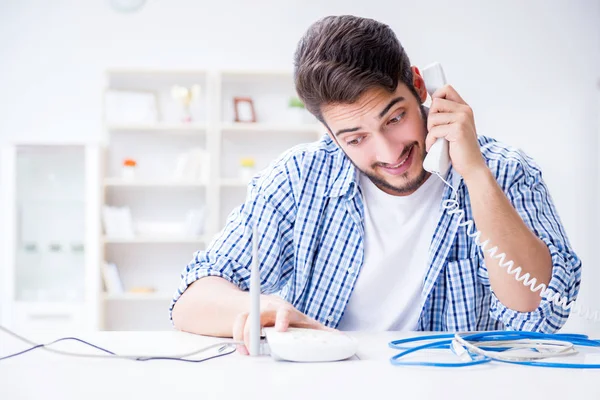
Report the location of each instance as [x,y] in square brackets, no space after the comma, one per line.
[179,129]
[245,127]
[157,240]
[162,297]
[119,182]
[156,260]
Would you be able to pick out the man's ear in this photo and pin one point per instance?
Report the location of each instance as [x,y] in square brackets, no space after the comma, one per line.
[419,84]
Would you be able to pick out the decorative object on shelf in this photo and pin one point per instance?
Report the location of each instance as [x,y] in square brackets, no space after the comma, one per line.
[129,168]
[130,107]
[247,168]
[54,247]
[77,247]
[112,279]
[186,96]
[194,222]
[30,247]
[298,113]
[117,222]
[295,102]
[244,109]
[193,165]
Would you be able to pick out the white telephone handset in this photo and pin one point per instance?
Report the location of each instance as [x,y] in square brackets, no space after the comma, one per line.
[437,160]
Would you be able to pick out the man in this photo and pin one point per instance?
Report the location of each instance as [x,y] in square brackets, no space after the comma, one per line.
[353,233]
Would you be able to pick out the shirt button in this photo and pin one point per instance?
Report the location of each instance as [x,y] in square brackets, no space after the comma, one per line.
[330,318]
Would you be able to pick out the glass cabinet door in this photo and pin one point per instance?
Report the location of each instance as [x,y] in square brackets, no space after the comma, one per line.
[50,205]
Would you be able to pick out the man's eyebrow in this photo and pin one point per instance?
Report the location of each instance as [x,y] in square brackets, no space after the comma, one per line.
[387,108]
[347,130]
[381,114]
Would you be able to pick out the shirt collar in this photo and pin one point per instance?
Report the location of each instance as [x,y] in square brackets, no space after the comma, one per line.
[344,178]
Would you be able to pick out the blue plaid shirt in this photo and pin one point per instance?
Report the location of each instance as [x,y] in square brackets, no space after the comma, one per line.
[309,216]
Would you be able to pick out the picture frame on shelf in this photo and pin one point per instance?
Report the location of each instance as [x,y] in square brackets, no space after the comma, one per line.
[244,109]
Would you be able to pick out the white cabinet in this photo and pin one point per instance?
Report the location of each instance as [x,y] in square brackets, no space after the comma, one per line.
[50,229]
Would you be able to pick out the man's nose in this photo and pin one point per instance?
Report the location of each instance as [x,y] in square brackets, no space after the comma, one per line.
[386,152]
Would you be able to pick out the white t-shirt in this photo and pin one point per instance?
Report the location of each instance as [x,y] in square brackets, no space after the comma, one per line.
[398,233]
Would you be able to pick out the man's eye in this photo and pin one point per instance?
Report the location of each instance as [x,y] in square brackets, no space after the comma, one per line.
[355,142]
[397,119]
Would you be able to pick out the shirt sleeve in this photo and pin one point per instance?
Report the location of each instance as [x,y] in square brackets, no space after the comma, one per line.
[229,256]
[530,197]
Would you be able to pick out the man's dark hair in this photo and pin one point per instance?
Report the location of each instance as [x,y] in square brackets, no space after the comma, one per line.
[341,57]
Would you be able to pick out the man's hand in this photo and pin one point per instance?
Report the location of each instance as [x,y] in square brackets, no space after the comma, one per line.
[277,312]
[451,118]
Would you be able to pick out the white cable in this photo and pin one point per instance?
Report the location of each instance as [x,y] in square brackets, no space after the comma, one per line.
[222,347]
[553,348]
[452,206]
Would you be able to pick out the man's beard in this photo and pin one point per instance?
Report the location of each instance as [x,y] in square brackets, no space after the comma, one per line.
[409,186]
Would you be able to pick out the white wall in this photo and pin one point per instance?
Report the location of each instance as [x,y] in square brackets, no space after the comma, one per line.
[529,70]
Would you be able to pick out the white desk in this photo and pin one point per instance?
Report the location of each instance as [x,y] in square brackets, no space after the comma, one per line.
[43,375]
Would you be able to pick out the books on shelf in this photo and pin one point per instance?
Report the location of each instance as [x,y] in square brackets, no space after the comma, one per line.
[112,279]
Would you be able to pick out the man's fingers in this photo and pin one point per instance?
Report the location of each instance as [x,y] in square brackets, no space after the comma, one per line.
[239,326]
[282,320]
[448,92]
[247,335]
[297,319]
[287,317]
[436,119]
[439,105]
[440,131]
[312,324]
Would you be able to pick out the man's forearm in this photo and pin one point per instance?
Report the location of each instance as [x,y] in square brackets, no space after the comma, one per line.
[210,305]
[498,221]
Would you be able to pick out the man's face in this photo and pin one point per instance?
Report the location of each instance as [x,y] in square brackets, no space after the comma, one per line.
[383,135]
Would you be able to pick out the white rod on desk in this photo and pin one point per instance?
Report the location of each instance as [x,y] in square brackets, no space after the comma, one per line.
[254,297]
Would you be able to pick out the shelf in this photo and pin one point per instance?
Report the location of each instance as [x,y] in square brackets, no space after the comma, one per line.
[179,129]
[47,306]
[156,240]
[270,128]
[233,182]
[276,73]
[138,297]
[136,72]
[118,182]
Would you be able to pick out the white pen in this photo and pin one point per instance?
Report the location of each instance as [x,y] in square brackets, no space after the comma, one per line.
[254,297]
